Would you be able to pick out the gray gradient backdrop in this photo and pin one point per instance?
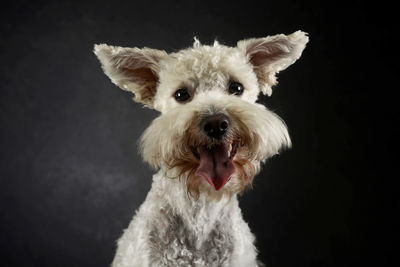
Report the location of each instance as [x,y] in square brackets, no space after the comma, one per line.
[70,174]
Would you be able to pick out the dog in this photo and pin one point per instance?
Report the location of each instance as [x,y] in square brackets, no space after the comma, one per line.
[207,145]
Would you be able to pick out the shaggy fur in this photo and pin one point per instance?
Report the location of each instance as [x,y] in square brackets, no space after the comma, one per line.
[186,220]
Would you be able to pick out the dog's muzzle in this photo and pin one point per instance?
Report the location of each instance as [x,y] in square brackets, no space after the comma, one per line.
[216,159]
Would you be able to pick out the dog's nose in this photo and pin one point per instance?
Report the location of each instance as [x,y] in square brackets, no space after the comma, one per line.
[215,126]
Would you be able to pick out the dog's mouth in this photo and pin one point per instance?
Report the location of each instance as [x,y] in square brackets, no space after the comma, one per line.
[216,162]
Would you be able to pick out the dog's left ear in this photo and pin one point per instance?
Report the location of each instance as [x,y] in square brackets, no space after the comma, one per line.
[132,69]
[272,54]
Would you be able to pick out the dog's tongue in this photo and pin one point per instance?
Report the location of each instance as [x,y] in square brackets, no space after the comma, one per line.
[215,165]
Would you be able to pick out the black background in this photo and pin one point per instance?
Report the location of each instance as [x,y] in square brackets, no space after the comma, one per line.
[71,176]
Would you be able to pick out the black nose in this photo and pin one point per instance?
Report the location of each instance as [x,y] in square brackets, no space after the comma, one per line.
[215,126]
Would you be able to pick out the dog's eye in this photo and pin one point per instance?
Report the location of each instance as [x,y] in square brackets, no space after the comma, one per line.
[235,88]
[182,95]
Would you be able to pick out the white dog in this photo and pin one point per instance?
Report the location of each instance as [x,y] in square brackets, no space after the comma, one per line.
[207,143]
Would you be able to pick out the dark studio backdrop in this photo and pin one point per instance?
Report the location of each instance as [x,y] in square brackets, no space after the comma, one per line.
[70,174]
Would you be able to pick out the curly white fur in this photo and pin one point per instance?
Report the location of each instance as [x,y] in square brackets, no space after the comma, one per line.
[173,228]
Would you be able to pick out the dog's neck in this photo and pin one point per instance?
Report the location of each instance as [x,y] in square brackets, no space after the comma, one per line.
[201,214]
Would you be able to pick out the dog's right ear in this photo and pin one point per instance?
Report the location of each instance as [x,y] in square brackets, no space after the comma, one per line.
[132,69]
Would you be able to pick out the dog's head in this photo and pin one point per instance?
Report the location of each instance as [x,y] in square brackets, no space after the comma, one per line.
[210,131]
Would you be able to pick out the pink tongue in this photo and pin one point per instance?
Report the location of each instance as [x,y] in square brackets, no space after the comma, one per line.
[215,165]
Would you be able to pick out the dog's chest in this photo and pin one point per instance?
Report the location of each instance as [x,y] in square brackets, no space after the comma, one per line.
[174,243]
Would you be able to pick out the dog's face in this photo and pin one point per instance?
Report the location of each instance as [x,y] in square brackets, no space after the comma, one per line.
[210,133]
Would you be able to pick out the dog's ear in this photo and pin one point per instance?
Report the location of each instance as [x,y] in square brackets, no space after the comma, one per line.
[132,69]
[272,54]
